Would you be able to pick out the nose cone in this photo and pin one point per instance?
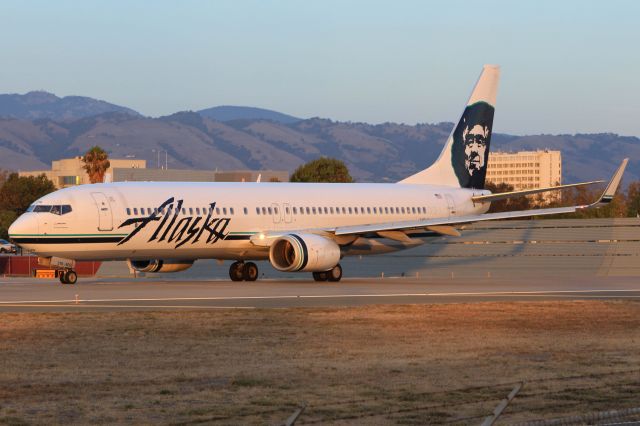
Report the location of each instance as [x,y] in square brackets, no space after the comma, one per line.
[24,226]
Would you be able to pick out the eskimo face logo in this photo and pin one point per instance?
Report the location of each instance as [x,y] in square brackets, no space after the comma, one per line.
[470,150]
[475,145]
[177,228]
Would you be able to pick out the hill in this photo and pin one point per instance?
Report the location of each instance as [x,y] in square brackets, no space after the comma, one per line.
[40,104]
[229,113]
[376,153]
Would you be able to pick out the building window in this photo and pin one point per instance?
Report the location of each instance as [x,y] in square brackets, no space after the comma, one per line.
[69,180]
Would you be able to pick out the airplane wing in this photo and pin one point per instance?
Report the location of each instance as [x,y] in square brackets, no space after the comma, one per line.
[605,198]
[441,225]
[504,195]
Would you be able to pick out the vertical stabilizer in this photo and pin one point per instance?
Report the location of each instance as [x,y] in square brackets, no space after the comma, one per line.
[463,161]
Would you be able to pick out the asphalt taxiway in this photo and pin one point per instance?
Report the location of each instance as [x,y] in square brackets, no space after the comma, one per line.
[29,294]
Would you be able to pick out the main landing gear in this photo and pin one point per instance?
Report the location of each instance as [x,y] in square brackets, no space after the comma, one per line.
[240,271]
[333,275]
[68,276]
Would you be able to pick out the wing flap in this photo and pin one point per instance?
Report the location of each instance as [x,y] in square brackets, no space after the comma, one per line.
[454,220]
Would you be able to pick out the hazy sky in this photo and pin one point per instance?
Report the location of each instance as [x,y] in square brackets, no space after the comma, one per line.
[567,66]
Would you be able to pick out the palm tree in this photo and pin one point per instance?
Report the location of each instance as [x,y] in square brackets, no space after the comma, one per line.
[96,163]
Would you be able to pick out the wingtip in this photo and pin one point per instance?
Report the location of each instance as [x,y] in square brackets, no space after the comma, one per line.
[612,186]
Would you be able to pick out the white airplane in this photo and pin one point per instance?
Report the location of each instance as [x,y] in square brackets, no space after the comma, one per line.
[165,227]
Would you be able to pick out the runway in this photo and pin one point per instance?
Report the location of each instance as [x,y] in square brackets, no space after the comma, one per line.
[28,294]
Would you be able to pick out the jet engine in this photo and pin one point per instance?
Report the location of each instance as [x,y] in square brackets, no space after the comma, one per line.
[159,265]
[304,252]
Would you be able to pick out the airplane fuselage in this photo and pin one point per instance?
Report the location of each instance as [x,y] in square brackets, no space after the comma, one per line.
[144,220]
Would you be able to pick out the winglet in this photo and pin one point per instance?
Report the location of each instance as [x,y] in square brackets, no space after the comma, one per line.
[612,186]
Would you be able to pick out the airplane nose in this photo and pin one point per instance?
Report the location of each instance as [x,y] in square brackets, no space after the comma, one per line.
[25,225]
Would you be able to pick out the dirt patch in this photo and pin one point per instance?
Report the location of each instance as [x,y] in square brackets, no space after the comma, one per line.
[366,365]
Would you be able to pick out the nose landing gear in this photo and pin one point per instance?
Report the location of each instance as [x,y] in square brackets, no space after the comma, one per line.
[240,271]
[68,276]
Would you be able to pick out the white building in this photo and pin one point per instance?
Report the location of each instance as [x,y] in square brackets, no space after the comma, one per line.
[526,170]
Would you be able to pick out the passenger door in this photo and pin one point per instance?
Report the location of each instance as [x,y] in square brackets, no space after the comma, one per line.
[105,216]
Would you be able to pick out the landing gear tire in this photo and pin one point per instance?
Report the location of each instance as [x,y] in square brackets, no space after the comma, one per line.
[68,277]
[236,271]
[335,274]
[250,271]
[320,276]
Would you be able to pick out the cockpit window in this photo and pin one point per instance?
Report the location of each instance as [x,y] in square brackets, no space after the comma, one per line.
[57,209]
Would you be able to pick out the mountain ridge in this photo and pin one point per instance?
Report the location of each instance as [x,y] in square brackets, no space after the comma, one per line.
[377,153]
[385,152]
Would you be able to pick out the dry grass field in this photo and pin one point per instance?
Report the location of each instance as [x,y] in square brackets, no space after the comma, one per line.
[384,364]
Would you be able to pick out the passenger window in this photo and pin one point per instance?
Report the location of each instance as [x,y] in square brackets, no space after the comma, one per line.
[231,210]
[128,211]
[275,210]
[269,210]
[350,210]
[295,210]
[369,210]
[198,211]
[257,210]
[224,211]
[331,210]
[301,210]
[344,210]
[308,210]
[135,211]
[326,210]
[313,209]
[245,211]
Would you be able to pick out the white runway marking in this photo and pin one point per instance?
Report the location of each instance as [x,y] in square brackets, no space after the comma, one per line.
[586,293]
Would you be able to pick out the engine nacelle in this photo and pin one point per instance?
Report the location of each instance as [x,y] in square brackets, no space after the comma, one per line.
[304,252]
[159,265]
